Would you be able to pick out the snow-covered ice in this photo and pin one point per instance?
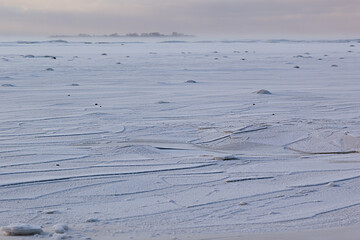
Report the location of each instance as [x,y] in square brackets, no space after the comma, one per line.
[176,143]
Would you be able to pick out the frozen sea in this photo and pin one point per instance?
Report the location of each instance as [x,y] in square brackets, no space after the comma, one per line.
[170,139]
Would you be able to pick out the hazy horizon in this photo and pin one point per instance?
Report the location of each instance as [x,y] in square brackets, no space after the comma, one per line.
[207,18]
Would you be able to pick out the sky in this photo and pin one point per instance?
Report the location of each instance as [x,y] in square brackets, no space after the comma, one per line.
[198,17]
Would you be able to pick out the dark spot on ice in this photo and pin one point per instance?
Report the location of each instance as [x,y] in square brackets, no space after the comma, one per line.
[29,56]
[96,104]
[334,65]
[49,69]
[104,54]
[118,63]
[349,51]
[320,59]
[253,104]
[75,85]
[262,91]
[57,165]
[190,81]
[215,52]
[243,59]
[7,85]
[296,67]
[226,158]
[52,57]
[163,102]
[273,114]
[352,45]
[91,220]
[215,58]
[51,212]
[127,56]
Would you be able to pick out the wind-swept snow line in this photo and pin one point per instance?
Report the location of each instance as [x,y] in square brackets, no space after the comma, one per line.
[229,135]
[102,175]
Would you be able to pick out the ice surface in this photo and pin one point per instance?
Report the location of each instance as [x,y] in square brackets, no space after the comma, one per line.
[177,142]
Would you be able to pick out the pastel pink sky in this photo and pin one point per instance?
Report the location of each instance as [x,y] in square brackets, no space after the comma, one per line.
[199,17]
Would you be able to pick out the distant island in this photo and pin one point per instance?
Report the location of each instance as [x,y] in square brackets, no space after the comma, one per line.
[131,35]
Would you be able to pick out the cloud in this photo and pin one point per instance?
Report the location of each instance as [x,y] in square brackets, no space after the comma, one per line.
[216,17]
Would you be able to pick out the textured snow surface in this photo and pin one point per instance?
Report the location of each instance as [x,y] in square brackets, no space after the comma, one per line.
[176,143]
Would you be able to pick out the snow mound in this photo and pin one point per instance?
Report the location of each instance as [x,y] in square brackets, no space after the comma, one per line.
[60,228]
[262,91]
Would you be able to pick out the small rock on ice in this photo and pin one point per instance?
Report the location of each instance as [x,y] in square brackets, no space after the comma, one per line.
[21,229]
[51,212]
[262,91]
[49,69]
[190,81]
[91,220]
[60,228]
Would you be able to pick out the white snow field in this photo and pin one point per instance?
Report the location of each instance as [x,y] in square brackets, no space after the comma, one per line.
[174,140]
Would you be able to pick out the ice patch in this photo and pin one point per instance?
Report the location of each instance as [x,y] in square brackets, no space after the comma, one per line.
[21,229]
